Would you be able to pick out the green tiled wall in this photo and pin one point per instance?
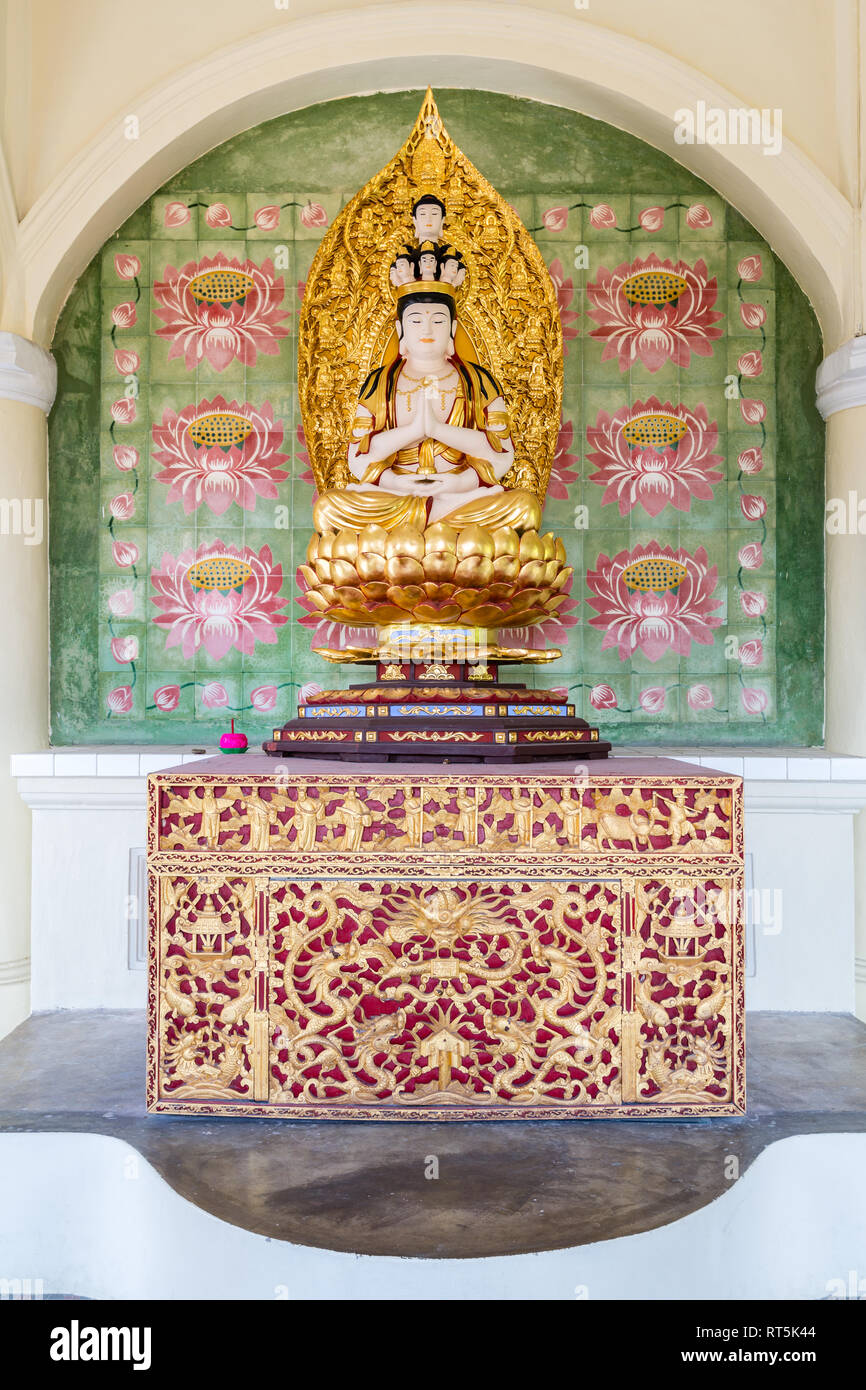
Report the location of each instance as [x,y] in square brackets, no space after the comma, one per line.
[540,158]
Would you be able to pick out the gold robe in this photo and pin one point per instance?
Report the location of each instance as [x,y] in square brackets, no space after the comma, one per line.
[340,509]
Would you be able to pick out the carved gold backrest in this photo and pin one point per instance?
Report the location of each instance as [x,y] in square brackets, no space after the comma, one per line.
[506,305]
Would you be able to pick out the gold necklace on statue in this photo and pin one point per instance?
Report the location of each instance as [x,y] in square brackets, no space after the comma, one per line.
[422,384]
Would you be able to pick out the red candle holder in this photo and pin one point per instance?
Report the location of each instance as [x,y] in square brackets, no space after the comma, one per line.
[234,743]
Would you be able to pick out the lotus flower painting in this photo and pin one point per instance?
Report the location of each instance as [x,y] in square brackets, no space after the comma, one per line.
[219,597]
[654,456]
[654,600]
[650,311]
[219,452]
[219,311]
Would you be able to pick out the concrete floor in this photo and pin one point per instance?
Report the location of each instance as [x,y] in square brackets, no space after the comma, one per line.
[502,1188]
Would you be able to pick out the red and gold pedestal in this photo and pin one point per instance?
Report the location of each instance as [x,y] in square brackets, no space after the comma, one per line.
[445,944]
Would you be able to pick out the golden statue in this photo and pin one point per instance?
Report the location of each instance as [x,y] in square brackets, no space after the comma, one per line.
[430,497]
[431,437]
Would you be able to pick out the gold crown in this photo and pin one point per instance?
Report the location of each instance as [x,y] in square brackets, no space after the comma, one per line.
[426,287]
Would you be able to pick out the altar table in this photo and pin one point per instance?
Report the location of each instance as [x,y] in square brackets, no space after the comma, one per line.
[445,942]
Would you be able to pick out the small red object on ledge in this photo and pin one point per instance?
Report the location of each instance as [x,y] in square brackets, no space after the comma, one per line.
[233,743]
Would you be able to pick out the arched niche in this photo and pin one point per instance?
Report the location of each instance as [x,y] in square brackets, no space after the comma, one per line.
[542,157]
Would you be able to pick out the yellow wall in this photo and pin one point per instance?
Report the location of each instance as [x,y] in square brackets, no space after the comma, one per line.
[92,58]
[196,72]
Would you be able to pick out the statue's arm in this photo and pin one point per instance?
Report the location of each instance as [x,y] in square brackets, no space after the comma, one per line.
[477,443]
[369,447]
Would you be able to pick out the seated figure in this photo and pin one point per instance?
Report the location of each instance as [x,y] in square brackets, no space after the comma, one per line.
[431,437]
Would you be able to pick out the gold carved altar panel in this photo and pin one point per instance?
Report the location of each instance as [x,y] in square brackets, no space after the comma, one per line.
[449,945]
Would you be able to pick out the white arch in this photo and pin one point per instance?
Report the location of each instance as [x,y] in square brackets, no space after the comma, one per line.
[495,47]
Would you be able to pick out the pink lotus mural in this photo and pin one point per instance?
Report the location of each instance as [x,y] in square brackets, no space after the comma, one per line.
[220,310]
[652,456]
[200,610]
[564,298]
[654,599]
[654,311]
[562,473]
[219,452]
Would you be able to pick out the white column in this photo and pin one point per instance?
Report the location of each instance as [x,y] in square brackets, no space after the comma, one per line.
[28,378]
[841,398]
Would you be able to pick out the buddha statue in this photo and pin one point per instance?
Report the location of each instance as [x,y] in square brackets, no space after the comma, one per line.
[431,474]
[431,438]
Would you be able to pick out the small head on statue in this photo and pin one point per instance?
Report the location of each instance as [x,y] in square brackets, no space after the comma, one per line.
[428,215]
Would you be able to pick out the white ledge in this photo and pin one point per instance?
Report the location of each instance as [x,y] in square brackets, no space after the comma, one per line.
[757,765]
[784,784]
[840,382]
[27,373]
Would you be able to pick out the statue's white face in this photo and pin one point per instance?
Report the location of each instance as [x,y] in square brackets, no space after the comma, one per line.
[428,221]
[426,335]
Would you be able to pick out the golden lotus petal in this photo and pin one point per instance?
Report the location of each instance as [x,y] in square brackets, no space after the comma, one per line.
[439,613]
[532,574]
[505,541]
[551,570]
[527,598]
[466,598]
[351,597]
[372,539]
[484,615]
[342,572]
[475,540]
[405,540]
[323,569]
[506,568]
[345,546]
[549,542]
[383,613]
[531,547]
[440,537]
[374,589]
[370,566]
[559,551]
[325,544]
[439,592]
[440,565]
[318,600]
[405,596]
[403,569]
[345,615]
[475,570]
[328,592]
[562,578]
[312,548]
[311,579]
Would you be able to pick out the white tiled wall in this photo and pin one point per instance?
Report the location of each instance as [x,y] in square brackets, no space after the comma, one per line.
[792,765]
